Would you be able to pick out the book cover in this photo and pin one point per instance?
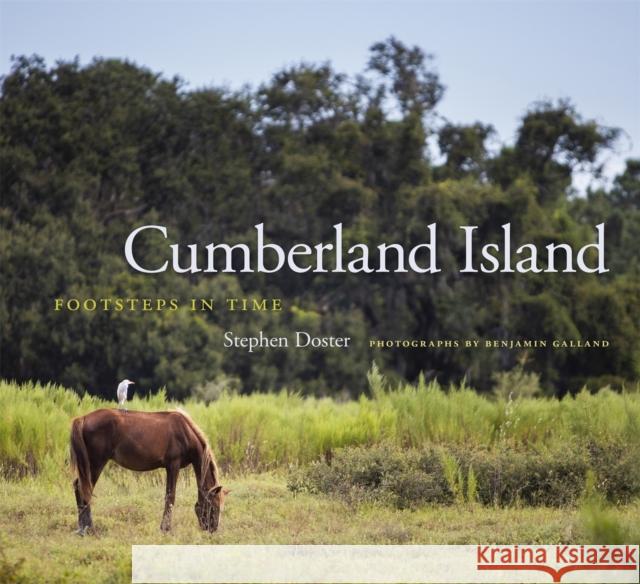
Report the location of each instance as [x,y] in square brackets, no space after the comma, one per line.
[319,291]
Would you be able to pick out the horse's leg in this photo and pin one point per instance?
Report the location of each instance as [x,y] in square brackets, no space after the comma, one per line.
[96,470]
[82,507]
[85,521]
[170,497]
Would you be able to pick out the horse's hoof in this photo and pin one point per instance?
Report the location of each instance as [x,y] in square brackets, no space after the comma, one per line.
[84,530]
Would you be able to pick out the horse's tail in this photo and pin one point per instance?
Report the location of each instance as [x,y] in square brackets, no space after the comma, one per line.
[80,459]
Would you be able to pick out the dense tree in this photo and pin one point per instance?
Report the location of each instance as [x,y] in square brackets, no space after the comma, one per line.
[87,153]
[465,149]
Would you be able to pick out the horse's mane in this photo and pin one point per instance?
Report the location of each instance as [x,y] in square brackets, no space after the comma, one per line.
[208,461]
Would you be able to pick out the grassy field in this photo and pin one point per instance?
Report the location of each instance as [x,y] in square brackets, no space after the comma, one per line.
[260,441]
[37,521]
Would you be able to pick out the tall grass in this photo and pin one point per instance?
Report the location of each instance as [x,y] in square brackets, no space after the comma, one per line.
[263,431]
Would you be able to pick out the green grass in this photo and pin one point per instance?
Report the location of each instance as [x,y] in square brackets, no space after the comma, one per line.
[257,439]
[269,431]
[37,520]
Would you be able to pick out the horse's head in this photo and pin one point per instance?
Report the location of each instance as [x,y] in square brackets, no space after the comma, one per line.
[209,507]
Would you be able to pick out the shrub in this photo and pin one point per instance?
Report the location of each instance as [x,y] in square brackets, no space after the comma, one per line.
[617,470]
[501,476]
[383,473]
[508,476]
[412,487]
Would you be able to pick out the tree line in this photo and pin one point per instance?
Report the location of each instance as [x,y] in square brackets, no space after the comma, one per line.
[90,152]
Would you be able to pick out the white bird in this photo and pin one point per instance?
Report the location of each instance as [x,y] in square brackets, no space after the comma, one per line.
[122,392]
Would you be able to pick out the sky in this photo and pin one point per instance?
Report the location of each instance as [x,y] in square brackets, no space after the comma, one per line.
[495,58]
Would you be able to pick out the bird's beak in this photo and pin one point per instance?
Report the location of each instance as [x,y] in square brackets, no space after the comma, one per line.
[132,383]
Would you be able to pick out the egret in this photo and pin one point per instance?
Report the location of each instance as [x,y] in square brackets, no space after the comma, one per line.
[122,392]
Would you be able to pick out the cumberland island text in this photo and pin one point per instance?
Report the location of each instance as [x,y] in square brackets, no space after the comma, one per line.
[338,257]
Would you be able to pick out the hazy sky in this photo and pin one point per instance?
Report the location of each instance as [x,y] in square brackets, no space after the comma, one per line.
[495,58]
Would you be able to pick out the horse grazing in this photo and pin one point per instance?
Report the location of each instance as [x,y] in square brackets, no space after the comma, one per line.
[145,441]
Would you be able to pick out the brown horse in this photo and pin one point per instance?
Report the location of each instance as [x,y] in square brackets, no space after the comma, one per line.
[144,441]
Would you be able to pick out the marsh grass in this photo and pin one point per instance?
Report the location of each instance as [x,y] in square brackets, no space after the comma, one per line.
[262,432]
